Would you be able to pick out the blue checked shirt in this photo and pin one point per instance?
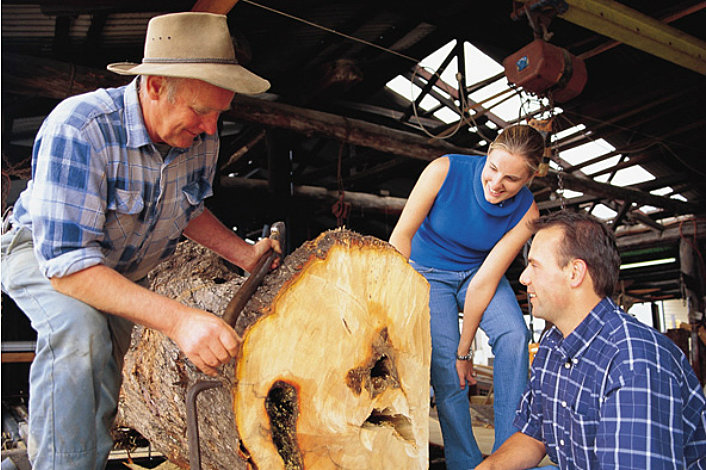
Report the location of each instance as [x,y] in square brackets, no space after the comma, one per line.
[614,394]
[101,193]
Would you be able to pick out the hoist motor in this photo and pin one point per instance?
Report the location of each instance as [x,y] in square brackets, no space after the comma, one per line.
[540,67]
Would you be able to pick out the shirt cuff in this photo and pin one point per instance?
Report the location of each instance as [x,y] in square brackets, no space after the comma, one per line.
[70,262]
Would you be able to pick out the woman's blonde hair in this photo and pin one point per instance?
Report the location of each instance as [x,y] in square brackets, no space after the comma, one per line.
[524,140]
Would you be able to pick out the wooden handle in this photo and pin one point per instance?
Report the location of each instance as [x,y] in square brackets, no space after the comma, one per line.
[237,303]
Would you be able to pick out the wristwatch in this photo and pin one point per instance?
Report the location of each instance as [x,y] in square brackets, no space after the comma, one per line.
[467,357]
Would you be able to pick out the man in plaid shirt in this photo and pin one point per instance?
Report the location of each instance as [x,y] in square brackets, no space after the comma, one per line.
[605,390]
[118,175]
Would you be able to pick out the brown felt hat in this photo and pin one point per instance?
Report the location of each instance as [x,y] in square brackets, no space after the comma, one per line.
[193,45]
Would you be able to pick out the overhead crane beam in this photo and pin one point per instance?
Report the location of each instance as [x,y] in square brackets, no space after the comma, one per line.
[631,27]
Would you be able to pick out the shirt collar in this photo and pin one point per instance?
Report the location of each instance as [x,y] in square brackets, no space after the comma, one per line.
[578,340]
[137,135]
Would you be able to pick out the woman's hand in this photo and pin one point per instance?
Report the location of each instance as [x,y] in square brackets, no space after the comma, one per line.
[465,372]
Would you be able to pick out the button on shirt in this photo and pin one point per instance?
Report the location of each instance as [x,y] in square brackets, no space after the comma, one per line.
[614,394]
[101,192]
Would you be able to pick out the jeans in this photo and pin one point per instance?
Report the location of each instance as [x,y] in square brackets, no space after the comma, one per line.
[76,373]
[508,337]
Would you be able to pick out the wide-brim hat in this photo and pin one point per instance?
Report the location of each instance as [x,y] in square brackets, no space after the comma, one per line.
[193,45]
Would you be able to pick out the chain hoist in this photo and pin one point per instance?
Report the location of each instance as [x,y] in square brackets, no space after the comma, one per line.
[551,148]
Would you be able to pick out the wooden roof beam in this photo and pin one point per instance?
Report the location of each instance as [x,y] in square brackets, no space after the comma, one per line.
[687,227]
[625,194]
[41,77]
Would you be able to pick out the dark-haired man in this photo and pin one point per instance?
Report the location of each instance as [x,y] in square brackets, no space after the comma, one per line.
[605,390]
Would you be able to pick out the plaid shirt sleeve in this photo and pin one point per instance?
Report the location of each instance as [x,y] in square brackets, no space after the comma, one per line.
[528,417]
[642,424]
[68,200]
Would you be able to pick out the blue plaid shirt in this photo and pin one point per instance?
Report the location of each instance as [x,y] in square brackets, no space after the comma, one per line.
[101,192]
[614,394]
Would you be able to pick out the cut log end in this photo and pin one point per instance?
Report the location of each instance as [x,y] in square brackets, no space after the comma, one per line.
[348,340]
[333,370]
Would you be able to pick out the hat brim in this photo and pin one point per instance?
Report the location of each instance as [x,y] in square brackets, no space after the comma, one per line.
[231,77]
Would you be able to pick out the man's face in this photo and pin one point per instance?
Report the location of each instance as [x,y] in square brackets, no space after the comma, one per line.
[193,109]
[548,284]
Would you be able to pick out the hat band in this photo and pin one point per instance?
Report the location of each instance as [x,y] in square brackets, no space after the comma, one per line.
[195,60]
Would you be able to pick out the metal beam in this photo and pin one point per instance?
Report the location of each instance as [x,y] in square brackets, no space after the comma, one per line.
[638,30]
[666,20]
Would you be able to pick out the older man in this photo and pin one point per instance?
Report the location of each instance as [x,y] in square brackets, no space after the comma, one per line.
[605,390]
[118,175]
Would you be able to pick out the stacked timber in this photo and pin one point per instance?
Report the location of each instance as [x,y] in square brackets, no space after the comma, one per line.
[333,370]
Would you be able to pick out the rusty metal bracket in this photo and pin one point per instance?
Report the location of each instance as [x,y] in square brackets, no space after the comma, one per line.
[192,420]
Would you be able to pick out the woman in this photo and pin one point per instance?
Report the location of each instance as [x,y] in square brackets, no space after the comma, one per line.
[464,223]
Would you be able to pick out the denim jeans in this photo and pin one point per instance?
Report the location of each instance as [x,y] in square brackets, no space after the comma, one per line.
[76,373]
[508,337]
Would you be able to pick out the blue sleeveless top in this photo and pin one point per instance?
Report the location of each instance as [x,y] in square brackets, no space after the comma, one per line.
[462,226]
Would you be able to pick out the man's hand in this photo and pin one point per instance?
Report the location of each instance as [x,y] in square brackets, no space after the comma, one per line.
[465,372]
[206,340]
[260,249]
[208,231]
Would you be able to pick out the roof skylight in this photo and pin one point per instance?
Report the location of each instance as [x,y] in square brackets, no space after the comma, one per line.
[503,105]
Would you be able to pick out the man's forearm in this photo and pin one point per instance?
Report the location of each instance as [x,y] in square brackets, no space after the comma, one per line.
[208,231]
[205,338]
[108,291]
[517,453]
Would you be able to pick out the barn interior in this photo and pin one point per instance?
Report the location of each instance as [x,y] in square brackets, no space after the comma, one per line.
[365,94]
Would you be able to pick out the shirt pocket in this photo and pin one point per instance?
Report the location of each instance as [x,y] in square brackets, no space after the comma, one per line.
[122,213]
[583,427]
[125,202]
[194,195]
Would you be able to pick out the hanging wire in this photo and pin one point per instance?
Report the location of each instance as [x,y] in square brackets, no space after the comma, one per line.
[341,208]
[547,126]
[421,126]
[462,109]
[330,30]
[555,152]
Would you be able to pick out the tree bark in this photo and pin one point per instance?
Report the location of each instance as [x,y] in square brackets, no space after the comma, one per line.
[333,370]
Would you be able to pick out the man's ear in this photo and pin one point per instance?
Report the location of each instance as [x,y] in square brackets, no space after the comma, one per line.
[578,273]
[154,86]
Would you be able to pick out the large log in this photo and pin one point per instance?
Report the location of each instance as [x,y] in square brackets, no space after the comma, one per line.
[333,370]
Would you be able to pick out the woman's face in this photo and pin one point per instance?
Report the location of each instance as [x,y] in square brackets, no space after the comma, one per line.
[503,175]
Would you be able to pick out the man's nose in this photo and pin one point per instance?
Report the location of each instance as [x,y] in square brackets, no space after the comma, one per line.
[524,277]
[209,124]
